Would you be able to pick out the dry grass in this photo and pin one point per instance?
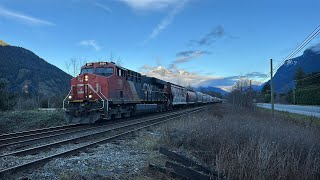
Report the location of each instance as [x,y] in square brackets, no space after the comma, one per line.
[15,121]
[246,144]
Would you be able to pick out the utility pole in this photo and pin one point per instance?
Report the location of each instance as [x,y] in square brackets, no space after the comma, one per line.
[240,96]
[294,95]
[8,103]
[271,86]
[39,106]
[250,94]
[233,99]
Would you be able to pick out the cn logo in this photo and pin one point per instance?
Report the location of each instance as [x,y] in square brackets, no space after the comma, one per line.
[80,89]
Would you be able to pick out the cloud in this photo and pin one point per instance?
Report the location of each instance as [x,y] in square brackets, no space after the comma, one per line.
[102,6]
[146,5]
[22,17]
[211,37]
[186,56]
[185,78]
[255,75]
[166,21]
[90,43]
[175,75]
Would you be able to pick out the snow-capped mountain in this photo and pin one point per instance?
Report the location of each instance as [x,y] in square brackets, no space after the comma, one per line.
[309,61]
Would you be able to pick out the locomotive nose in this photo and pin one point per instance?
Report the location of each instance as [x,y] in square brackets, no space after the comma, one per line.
[83,87]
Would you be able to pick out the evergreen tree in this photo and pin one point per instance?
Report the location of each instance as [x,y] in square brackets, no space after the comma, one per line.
[7,99]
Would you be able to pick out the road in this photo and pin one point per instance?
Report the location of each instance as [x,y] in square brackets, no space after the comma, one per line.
[305,110]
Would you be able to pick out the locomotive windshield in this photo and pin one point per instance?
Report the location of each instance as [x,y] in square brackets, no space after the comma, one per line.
[87,70]
[108,71]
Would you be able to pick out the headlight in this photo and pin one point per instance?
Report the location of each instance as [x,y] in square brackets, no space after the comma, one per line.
[70,97]
[86,78]
[90,96]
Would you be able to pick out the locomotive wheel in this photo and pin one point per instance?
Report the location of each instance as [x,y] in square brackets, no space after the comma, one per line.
[92,117]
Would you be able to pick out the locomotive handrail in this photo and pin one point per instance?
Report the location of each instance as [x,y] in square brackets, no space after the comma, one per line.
[99,93]
[105,98]
[65,99]
[89,85]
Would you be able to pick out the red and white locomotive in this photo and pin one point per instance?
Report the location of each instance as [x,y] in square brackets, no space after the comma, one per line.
[104,90]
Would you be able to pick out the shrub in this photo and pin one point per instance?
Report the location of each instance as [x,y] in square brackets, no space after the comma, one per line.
[243,144]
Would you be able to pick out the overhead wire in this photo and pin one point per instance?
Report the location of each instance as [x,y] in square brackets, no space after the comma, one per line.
[305,42]
[310,77]
[311,36]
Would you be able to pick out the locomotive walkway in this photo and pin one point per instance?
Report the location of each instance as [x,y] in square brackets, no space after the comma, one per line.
[91,136]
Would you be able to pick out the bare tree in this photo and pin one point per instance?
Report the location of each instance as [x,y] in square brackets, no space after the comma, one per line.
[190,87]
[73,66]
[119,62]
[241,94]
[111,57]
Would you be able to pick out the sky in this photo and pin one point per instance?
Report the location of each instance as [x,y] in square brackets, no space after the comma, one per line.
[189,42]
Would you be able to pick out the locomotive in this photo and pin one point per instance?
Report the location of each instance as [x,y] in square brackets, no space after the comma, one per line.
[104,91]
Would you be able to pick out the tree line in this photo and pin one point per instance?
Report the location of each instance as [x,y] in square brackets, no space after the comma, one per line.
[305,90]
[26,101]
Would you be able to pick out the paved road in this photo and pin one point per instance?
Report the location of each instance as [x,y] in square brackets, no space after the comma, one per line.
[305,110]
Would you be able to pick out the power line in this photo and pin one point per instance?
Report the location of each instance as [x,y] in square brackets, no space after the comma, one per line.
[304,43]
[286,86]
[316,87]
[312,76]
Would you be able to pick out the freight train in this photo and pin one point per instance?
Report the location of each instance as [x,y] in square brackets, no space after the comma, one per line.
[104,90]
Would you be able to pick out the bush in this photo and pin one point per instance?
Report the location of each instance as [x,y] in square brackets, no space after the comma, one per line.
[246,145]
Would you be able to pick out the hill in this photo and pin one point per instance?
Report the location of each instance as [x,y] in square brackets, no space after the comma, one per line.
[309,62]
[21,68]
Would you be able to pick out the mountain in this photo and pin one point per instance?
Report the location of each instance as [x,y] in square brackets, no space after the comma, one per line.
[212,89]
[23,70]
[257,87]
[309,61]
[2,43]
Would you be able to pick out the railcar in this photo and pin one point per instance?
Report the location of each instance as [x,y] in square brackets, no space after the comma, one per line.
[199,98]
[104,90]
[191,97]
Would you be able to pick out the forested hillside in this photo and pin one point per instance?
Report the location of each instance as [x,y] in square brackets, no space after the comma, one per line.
[22,70]
[307,89]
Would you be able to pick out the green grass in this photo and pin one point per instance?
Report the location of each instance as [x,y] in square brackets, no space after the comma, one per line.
[300,118]
[15,121]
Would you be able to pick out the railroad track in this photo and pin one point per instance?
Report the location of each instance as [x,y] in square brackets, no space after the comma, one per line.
[98,135]
[36,131]
[18,140]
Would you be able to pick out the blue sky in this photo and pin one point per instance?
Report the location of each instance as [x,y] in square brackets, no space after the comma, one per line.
[201,42]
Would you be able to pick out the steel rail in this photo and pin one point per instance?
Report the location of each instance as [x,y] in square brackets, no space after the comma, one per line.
[34,150]
[72,151]
[42,130]
[22,141]
[6,137]
[18,139]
